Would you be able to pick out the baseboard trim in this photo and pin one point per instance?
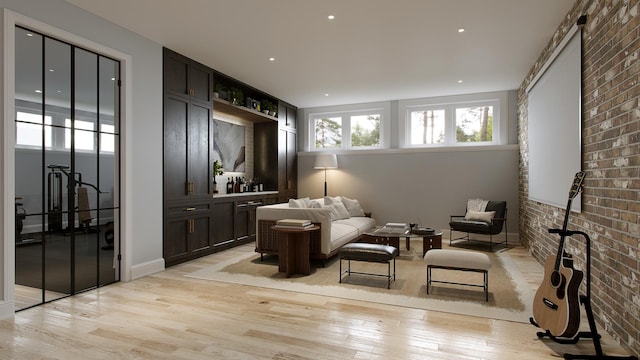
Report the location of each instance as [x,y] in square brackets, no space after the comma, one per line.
[7,310]
[147,268]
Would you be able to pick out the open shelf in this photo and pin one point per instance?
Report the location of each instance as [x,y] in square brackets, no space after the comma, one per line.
[226,107]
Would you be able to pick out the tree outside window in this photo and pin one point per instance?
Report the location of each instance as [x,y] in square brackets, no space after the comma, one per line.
[427,127]
[365,130]
[474,124]
[328,132]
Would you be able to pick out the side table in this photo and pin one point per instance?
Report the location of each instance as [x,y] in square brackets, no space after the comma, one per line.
[293,249]
[431,241]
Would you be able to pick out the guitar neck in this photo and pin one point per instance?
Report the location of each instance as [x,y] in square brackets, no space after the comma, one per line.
[576,186]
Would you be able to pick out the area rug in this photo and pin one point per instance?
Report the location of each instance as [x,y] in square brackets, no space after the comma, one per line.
[509,294]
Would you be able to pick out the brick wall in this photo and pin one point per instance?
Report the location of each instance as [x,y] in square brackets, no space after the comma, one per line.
[611,159]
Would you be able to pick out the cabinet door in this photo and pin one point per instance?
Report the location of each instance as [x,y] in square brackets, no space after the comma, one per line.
[176,113]
[242,223]
[201,82]
[198,149]
[200,233]
[291,117]
[292,162]
[223,219]
[176,240]
[176,73]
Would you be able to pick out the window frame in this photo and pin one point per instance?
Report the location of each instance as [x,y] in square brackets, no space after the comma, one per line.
[450,108]
[345,113]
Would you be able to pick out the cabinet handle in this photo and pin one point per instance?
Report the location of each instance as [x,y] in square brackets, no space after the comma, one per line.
[191,226]
[190,209]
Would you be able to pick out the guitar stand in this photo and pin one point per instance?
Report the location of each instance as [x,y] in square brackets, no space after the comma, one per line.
[586,301]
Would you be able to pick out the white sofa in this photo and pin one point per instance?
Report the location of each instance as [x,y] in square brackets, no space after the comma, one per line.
[336,227]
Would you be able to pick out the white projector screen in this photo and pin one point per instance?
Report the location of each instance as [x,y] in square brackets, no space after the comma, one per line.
[554,120]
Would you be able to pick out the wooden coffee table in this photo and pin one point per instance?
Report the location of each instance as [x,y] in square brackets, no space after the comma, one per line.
[293,249]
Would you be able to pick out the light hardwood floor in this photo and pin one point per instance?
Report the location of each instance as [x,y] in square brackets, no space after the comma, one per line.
[169,316]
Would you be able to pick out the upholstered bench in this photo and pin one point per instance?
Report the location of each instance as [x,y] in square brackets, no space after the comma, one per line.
[458,260]
[369,252]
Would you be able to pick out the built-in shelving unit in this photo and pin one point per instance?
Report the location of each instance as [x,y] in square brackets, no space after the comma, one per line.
[241,111]
[197,222]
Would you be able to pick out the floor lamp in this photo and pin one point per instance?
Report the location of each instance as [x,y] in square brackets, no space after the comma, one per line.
[326,161]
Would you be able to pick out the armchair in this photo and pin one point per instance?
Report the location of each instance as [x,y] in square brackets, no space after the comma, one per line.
[488,222]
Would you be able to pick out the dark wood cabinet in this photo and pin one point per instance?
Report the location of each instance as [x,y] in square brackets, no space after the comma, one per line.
[197,223]
[235,218]
[188,128]
[287,152]
[187,231]
[187,147]
[224,223]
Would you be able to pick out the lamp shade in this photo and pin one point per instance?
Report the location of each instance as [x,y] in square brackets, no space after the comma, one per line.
[326,161]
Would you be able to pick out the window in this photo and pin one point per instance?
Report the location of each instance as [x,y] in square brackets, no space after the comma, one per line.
[427,126]
[346,130]
[107,138]
[328,132]
[365,130]
[474,124]
[455,124]
[84,139]
[29,130]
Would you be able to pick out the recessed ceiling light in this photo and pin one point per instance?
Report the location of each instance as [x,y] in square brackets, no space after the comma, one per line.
[29,34]
[272,59]
[51,70]
[326,94]
[113,79]
[331,17]
[459,81]
[39,91]
[461,30]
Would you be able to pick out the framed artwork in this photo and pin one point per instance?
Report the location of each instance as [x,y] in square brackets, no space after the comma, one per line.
[229,145]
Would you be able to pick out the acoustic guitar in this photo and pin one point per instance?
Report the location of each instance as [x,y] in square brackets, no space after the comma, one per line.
[556,305]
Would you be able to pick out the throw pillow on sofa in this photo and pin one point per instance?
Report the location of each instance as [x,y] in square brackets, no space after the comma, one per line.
[301,203]
[353,206]
[337,211]
[328,200]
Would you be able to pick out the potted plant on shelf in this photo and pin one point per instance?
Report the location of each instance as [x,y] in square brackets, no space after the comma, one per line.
[265,106]
[219,91]
[217,170]
[236,97]
[273,110]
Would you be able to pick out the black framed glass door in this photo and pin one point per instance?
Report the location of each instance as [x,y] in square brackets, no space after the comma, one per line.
[67,102]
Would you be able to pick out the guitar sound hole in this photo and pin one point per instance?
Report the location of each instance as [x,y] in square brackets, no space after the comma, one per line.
[555,279]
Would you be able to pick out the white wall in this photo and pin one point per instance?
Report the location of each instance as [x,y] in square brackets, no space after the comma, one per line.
[142,138]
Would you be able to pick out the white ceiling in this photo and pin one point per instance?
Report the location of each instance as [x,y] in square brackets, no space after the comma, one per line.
[374,50]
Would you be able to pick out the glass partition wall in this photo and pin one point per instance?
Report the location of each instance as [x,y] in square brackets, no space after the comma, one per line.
[67,105]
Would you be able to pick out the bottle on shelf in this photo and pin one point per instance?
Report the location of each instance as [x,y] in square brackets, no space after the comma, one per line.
[229,186]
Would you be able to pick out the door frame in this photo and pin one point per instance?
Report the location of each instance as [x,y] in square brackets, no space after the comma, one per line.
[7,143]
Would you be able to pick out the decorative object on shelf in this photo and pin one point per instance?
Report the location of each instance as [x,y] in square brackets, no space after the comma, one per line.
[326,161]
[217,170]
[253,104]
[219,91]
[229,140]
[273,110]
[265,106]
[236,96]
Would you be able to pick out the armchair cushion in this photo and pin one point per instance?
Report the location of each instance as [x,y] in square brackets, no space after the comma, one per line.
[480,226]
[485,216]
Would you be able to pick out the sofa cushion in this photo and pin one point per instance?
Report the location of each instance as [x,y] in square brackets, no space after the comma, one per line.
[329,200]
[361,223]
